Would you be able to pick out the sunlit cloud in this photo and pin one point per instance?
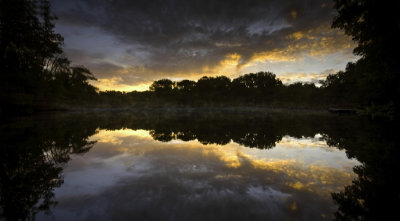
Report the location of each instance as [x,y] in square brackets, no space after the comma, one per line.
[288,78]
[277,36]
[315,142]
[128,164]
[301,161]
[116,83]
[117,136]
[272,56]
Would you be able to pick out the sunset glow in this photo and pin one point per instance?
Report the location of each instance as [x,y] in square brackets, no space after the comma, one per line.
[128,48]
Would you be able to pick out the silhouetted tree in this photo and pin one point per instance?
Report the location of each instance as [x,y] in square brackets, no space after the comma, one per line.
[258,87]
[213,88]
[32,157]
[27,43]
[374,25]
[162,87]
[374,194]
[34,72]
[186,85]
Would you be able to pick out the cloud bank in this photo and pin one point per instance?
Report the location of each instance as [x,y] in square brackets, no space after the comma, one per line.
[135,42]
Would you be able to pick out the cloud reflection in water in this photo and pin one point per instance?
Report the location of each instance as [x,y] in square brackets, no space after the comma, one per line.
[128,175]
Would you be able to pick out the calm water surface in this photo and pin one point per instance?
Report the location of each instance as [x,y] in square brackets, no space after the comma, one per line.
[207,167]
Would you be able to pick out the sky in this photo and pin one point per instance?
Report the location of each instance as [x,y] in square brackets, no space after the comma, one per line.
[129,44]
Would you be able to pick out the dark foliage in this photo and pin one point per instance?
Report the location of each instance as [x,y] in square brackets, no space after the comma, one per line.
[256,89]
[32,155]
[34,72]
[373,81]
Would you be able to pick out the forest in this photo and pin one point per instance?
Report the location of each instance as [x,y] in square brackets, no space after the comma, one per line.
[36,75]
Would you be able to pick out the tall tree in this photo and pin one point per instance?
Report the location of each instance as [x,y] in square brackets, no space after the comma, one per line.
[33,70]
[162,86]
[27,43]
[375,26]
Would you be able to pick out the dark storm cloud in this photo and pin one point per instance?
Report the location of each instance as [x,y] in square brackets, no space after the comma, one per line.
[107,70]
[179,34]
[82,55]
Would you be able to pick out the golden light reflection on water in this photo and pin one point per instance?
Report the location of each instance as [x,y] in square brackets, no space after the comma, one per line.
[291,142]
[298,161]
[115,136]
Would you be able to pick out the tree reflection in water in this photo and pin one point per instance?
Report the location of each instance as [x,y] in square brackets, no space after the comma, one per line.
[32,155]
[374,194]
[34,151]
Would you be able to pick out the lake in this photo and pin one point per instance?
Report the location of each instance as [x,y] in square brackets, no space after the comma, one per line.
[197,166]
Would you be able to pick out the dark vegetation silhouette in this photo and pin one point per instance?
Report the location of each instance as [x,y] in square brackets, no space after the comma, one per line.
[31,167]
[34,71]
[255,89]
[35,75]
[372,81]
[32,155]
[374,194]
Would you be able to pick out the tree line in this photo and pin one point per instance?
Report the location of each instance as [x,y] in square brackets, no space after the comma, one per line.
[36,75]
[257,89]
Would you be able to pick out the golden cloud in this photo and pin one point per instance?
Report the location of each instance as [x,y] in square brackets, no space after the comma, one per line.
[272,56]
[315,177]
[315,43]
[302,77]
[319,41]
[115,83]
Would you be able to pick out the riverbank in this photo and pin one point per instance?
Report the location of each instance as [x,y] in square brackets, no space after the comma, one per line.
[184,109]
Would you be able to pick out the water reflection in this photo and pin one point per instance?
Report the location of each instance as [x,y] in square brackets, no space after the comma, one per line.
[32,156]
[184,167]
[374,194]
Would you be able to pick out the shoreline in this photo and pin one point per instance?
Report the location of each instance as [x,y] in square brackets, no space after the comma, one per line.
[231,109]
[200,109]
